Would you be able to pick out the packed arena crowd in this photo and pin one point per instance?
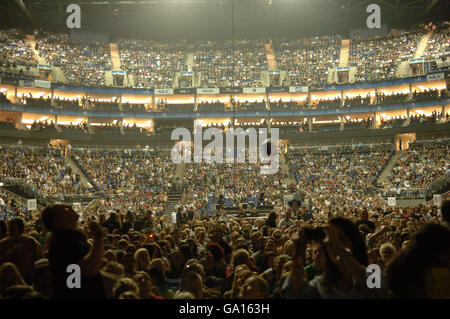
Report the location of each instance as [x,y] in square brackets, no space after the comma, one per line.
[327,177]
[419,166]
[152,64]
[378,58]
[140,226]
[438,46]
[239,63]
[230,185]
[42,172]
[128,248]
[308,61]
[135,175]
[12,205]
[227,64]
[82,62]
[15,52]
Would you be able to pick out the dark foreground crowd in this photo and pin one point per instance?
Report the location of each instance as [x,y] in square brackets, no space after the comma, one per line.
[140,255]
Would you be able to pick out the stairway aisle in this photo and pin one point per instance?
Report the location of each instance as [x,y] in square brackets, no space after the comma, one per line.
[57,74]
[176,193]
[190,60]
[32,42]
[345,51]
[77,170]
[270,53]
[422,45]
[388,169]
[287,178]
[180,170]
[115,57]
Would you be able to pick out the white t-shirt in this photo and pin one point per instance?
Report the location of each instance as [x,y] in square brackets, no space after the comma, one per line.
[174,218]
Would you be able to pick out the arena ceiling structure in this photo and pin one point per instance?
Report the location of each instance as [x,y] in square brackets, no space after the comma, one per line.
[219,18]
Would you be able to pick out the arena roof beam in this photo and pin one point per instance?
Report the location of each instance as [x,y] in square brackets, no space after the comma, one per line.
[25,10]
[6,8]
[417,4]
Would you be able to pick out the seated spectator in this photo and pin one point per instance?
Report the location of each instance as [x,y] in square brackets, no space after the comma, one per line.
[273,274]
[287,221]
[143,281]
[387,251]
[159,281]
[142,259]
[184,295]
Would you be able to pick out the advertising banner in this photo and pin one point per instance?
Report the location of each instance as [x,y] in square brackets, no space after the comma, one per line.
[436,76]
[230,90]
[254,90]
[185,91]
[163,91]
[298,89]
[278,89]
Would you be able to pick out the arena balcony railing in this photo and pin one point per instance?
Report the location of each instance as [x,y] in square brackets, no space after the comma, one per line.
[344,147]
[395,102]
[31,191]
